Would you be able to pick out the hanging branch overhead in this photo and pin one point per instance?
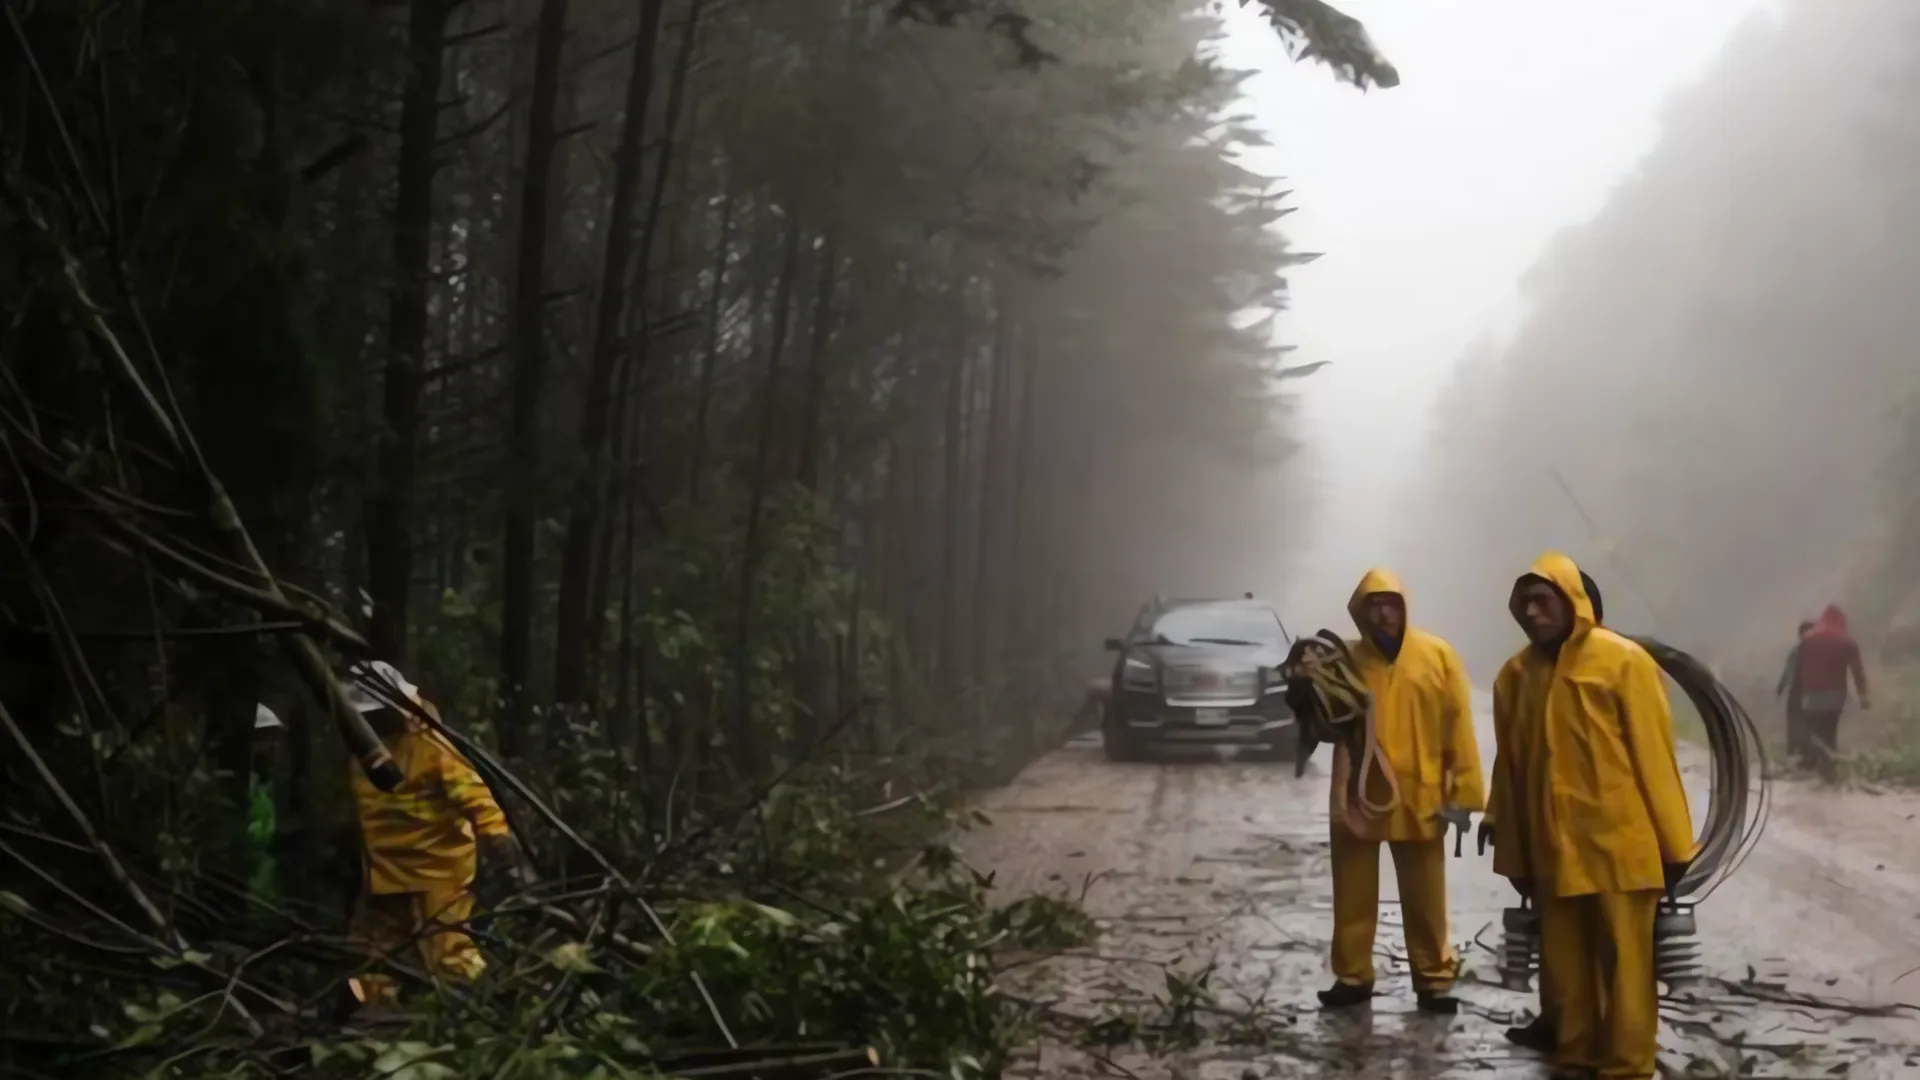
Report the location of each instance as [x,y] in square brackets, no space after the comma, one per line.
[1316,30]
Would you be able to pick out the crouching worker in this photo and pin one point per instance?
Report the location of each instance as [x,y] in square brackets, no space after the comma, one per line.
[1593,821]
[426,842]
[1423,725]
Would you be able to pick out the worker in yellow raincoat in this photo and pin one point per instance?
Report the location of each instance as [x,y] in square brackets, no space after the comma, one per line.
[1423,729]
[1593,821]
[1514,684]
[425,842]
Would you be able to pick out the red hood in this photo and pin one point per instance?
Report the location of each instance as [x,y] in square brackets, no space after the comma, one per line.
[1832,624]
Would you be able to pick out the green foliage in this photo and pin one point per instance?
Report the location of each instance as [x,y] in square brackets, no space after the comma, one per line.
[814,949]
[1883,746]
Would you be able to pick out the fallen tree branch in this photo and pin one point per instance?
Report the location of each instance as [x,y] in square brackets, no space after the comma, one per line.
[156,398]
[783,1068]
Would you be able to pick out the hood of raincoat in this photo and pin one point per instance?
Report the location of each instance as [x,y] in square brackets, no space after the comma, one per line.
[1563,574]
[1593,597]
[1373,582]
[1832,623]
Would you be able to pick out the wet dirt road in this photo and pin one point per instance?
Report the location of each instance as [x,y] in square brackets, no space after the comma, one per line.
[1810,950]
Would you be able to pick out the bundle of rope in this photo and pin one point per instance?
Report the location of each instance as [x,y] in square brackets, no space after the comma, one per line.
[1739,793]
[1331,704]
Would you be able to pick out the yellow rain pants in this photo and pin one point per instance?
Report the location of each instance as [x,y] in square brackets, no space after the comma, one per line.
[1607,1010]
[1549,991]
[424,928]
[1419,866]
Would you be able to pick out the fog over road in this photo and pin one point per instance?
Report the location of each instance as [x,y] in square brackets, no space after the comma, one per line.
[1811,949]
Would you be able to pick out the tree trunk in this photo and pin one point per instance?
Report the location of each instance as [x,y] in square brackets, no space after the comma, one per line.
[634,480]
[745,746]
[710,350]
[814,396]
[988,567]
[583,520]
[630,696]
[529,380]
[926,608]
[1027,556]
[390,542]
[813,682]
[953,515]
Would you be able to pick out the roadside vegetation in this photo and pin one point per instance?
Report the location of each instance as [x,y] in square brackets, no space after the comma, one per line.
[1878,746]
[1882,746]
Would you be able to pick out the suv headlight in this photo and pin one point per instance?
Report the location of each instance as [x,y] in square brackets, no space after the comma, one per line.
[1138,675]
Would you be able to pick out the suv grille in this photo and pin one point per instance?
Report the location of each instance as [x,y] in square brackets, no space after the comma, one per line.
[1194,681]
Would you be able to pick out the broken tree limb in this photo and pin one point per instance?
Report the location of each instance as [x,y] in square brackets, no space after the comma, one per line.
[156,399]
[792,1067]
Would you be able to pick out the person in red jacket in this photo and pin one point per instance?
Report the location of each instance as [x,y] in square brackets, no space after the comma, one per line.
[1827,654]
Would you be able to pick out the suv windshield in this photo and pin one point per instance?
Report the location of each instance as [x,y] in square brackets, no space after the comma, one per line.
[1216,624]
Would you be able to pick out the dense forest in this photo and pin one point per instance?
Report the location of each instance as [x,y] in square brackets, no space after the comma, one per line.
[1708,399]
[695,397]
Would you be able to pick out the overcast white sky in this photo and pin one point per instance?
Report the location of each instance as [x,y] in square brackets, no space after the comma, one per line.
[1512,121]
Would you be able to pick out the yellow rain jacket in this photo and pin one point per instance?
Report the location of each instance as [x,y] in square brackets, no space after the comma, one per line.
[1423,721]
[1585,780]
[421,837]
[1518,690]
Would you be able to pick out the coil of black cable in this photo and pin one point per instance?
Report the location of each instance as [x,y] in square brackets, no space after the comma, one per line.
[1740,793]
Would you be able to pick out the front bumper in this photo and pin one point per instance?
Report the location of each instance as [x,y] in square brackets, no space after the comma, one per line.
[1148,718]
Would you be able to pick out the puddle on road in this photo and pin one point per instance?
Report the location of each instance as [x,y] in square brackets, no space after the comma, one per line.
[1254,919]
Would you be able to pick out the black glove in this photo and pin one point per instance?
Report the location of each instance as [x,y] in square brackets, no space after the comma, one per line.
[1523,886]
[1673,871]
[1486,835]
[503,870]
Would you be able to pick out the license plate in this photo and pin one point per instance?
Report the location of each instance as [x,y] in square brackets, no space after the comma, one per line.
[1210,717]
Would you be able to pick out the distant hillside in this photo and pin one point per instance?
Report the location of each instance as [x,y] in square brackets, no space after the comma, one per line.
[1717,364]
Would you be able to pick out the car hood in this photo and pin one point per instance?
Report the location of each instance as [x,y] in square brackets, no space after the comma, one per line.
[1224,658]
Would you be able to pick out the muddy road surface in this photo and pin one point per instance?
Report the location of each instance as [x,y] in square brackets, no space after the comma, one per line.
[1208,880]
